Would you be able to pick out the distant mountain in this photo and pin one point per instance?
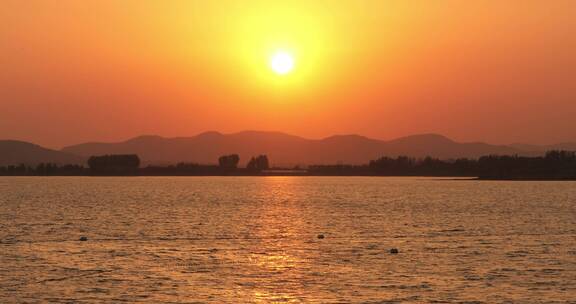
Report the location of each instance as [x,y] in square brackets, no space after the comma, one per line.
[285,149]
[13,152]
[536,149]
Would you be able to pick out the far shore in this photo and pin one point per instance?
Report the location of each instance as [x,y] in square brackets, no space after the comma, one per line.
[556,165]
[277,173]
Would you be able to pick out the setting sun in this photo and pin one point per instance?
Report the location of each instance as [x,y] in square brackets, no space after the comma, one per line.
[282,63]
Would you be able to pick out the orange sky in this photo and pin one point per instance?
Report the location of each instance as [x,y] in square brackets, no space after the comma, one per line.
[107,70]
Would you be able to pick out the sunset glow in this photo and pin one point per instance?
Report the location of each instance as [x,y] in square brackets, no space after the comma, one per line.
[382,69]
[301,151]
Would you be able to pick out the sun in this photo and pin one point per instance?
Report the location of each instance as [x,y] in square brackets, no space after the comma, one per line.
[282,63]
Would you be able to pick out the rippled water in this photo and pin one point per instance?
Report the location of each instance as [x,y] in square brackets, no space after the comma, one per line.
[255,240]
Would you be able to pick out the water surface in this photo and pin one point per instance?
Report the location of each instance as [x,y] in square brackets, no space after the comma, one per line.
[255,240]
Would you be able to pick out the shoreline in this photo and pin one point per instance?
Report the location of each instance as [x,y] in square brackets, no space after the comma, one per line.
[438,177]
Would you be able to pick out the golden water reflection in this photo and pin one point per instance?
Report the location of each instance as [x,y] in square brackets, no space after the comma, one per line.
[254,240]
[284,246]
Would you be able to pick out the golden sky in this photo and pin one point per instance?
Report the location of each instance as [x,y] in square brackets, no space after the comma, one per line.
[500,71]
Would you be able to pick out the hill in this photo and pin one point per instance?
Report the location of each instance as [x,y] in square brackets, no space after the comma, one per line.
[540,149]
[285,149]
[13,152]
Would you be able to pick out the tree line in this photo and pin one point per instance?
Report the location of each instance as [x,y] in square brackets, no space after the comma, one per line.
[129,165]
[553,165]
[227,165]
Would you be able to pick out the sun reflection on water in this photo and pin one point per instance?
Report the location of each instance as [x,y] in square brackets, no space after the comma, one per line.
[279,225]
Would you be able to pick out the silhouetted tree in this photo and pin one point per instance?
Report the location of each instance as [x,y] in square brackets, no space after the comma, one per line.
[258,163]
[229,161]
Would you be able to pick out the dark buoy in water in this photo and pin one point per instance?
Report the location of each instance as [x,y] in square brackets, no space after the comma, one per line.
[320,236]
[83,239]
[394,251]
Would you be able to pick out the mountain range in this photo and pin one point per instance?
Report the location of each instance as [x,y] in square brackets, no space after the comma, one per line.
[14,152]
[281,148]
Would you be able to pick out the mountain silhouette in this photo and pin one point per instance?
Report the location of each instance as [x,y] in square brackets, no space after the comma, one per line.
[13,152]
[285,149]
[539,149]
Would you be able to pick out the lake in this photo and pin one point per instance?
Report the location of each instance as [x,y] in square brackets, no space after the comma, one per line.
[256,240]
